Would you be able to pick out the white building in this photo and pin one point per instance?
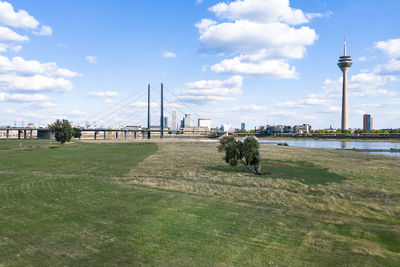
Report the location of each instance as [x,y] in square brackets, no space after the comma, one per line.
[187,121]
[204,123]
[227,128]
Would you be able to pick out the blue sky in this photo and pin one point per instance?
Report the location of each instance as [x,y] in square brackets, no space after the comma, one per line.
[254,61]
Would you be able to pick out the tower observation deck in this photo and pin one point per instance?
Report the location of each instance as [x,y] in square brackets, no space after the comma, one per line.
[344,64]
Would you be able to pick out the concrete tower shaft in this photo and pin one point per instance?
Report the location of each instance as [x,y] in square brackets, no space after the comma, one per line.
[344,64]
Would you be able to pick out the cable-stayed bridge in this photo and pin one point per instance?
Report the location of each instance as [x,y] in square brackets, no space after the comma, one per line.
[124,119]
[140,115]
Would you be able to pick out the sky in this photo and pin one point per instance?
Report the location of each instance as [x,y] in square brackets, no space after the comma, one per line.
[262,62]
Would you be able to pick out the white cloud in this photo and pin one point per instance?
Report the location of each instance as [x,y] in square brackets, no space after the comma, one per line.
[141,104]
[391,47]
[250,107]
[20,19]
[212,90]
[45,104]
[44,31]
[6,97]
[265,11]
[31,67]
[291,104]
[13,47]
[198,2]
[360,85]
[274,68]
[77,112]
[7,35]
[373,92]
[169,54]
[372,105]
[243,36]
[312,100]
[291,114]
[389,68]
[368,80]
[14,82]
[104,94]
[259,34]
[17,48]
[206,98]
[91,59]
[334,109]
[362,58]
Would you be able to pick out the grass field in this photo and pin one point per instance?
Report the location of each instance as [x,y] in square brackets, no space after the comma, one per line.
[178,203]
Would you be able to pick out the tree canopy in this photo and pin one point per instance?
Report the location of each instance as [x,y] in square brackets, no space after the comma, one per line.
[77,132]
[245,152]
[62,131]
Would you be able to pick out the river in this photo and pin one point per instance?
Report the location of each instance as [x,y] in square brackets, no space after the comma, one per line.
[340,144]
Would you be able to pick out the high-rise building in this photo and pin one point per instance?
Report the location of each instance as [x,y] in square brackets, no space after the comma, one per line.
[165,122]
[367,123]
[204,123]
[242,126]
[187,121]
[173,126]
[344,65]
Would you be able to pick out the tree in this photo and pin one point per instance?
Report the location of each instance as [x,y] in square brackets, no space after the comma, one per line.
[77,132]
[246,152]
[62,131]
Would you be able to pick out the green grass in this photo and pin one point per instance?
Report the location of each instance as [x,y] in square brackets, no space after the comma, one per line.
[180,204]
[305,172]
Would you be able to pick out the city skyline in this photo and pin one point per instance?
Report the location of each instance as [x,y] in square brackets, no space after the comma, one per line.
[280,70]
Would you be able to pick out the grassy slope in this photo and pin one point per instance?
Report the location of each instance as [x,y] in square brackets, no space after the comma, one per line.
[316,208]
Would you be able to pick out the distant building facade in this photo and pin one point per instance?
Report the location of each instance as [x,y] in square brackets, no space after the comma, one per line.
[173,126]
[367,122]
[165,122]
[137,128]
[279,129]
[204,123]
[195,129]
[187,121]
[304,128]
[242,126]
[227,128]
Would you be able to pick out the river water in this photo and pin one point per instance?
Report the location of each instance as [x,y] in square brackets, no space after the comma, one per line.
[325,144]
[340,144]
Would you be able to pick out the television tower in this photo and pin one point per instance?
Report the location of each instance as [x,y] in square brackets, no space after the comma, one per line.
[344,65]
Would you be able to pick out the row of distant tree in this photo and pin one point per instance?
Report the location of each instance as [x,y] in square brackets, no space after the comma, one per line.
[337,132]
[359,131]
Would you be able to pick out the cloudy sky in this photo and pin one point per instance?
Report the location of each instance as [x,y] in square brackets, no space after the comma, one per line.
[254,61]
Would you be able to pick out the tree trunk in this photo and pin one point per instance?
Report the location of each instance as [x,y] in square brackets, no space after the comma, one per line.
[257,168]
[247,167]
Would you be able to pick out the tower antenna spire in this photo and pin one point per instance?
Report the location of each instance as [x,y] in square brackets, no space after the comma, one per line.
[344,64]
